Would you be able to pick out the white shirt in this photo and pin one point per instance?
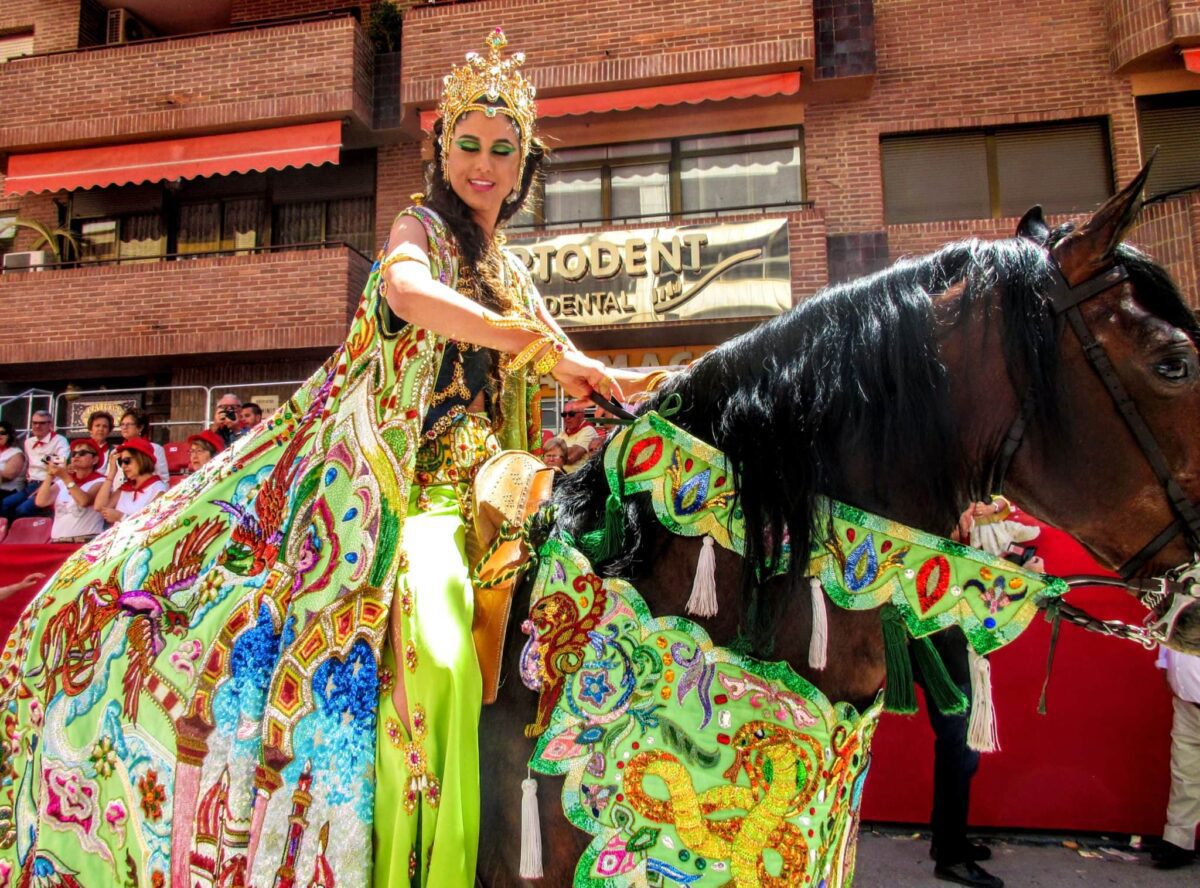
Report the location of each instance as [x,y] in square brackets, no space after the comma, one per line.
[38,448]
[130,502]
[1183,673]
[71,519]
[583,437]
[16,483]
[160,463]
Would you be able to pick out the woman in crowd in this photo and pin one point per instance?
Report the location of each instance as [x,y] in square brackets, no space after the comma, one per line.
[136,424]
[118,500]
[71,490]
[554,454]
[12,461]
[202,448]
[100,425]
[303,621]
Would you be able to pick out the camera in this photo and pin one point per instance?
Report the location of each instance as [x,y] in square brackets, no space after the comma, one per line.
[229,413]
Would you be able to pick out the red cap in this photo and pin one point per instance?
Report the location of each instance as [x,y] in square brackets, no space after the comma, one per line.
[209,438]
[81,443]
[141,445]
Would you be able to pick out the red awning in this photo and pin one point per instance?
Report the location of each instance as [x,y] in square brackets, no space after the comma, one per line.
[1191,60]
[654,96]
[272,149]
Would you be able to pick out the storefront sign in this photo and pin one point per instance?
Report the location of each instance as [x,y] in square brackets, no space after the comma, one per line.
[635,358]
[663,274]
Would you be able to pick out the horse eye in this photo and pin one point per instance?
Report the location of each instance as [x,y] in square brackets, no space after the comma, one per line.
[1173,369]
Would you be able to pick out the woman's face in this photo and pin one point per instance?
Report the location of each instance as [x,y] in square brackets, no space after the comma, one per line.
[129,465]
[5,439]
[129,427]
[198,456]
[100,428]
[83,462]
[553,457]
[482,164]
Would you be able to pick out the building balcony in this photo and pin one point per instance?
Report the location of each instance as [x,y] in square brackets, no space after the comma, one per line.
[1147,34]
[274,74]
[149,314]
[607,45]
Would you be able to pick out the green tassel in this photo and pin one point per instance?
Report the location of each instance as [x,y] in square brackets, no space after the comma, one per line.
[898,693]
[940,689]
[606,542]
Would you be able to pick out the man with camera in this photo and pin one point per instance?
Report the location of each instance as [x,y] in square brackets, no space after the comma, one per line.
[42,445]
[226,421]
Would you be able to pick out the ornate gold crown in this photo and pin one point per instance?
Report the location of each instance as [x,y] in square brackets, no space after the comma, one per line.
[480,83]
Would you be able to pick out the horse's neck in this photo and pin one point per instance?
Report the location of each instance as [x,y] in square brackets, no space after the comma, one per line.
[854,664]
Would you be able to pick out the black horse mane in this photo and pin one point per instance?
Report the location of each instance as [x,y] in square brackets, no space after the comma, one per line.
[847,387]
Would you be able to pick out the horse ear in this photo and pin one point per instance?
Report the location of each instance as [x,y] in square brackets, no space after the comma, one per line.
[1088,250]
[1033,225]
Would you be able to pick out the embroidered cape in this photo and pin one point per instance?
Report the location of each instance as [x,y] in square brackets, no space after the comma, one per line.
[191,698]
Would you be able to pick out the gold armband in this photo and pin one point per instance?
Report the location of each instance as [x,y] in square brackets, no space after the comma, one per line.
[526,355]
[403,253]
[549,360]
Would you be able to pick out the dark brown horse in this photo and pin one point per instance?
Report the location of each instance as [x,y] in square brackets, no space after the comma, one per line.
[897,394]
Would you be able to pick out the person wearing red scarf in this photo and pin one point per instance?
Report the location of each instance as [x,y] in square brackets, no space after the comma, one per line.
[135,457]
[71,490]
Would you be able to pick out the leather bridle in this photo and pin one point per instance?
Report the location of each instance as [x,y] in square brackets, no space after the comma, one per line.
[1182,584]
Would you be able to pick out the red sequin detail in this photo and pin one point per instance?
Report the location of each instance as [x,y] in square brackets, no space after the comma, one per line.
[723,739]
[850,534]
[635,464]
[721,699]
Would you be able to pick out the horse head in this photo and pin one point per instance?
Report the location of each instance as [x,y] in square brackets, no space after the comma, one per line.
[1111,446]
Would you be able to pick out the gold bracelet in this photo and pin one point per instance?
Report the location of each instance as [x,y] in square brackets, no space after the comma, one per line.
[528,353]
[548,361]
[516,322]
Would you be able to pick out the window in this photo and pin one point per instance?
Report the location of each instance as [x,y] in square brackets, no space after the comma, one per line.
[682,178]
[348,220]
[130,238]
[1171,123]
[995,173]
[15,45]
[227,225]
[8,231]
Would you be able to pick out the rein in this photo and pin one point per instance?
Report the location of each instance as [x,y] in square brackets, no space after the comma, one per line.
[1180,584]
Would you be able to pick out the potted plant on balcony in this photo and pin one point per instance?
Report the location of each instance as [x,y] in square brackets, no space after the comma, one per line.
[61,243]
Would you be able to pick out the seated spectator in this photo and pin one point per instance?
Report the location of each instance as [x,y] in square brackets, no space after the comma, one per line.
[226,421]
[251,415]
[71,490]
[12,461]
[42,444]
[117,501]
[100,425]
[554,453]
[597,443]
[204,447]
[576,434]
[135,424]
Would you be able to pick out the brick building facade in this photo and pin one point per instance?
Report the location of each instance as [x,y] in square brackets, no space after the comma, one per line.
[928,91]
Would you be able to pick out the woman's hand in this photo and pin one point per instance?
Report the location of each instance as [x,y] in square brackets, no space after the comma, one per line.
[580,375]
[112,516]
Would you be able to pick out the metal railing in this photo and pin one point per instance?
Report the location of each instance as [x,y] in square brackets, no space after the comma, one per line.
[24,405]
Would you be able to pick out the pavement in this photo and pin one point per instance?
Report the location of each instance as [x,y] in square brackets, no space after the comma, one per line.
[895,857]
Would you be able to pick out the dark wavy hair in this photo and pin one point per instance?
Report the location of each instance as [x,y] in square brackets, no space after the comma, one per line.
[474,247]
[141,419]
[7,428]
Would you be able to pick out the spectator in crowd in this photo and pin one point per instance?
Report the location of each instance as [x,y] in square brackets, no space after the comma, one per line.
[100,425]
[29,582]
[576,434]
[203,447]
[251,415]
[135,424]
[116,500]
[71,490]
[12,461]
[42,444]
[597,443]
[226,422]
[1178,846]
[554,454]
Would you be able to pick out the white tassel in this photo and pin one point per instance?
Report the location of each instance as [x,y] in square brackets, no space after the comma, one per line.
[981,731]
[531,831]
[818,641]
[703,601]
